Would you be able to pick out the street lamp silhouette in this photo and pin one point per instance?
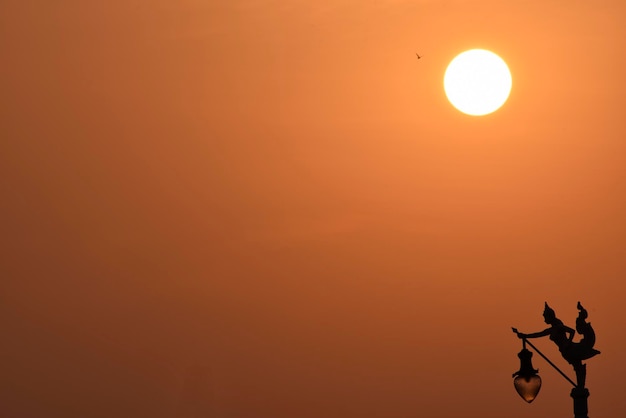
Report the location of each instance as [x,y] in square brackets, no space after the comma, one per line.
[527,382]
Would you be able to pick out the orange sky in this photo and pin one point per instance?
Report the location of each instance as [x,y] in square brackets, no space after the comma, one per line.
[268,208]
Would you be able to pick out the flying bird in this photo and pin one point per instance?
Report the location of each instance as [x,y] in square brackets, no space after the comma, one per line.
[417,55]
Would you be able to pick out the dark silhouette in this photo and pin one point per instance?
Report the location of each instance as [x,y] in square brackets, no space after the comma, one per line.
[562,335]
[418,55]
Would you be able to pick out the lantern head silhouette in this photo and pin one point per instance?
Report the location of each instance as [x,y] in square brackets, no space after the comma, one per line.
[527,382]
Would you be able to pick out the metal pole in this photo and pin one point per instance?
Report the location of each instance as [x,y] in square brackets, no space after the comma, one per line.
[580,396]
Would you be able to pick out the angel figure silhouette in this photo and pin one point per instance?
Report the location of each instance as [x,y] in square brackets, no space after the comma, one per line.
[562,335]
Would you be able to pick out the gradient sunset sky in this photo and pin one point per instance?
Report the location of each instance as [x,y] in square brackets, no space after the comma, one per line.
[269,209]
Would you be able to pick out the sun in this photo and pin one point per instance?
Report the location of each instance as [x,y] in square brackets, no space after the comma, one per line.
[477,82]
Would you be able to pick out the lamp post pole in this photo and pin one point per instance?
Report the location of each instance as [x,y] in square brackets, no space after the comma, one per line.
[579,393]
[528,383]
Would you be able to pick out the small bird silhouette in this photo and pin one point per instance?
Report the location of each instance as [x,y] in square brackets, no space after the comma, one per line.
[417,55]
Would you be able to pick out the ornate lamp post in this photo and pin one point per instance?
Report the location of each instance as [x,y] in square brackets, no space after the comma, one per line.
[527,382]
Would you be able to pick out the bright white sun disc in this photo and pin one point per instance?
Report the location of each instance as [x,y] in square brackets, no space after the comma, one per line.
[477,82]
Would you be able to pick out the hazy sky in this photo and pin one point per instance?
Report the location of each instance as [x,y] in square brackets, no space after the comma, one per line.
[269,209]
